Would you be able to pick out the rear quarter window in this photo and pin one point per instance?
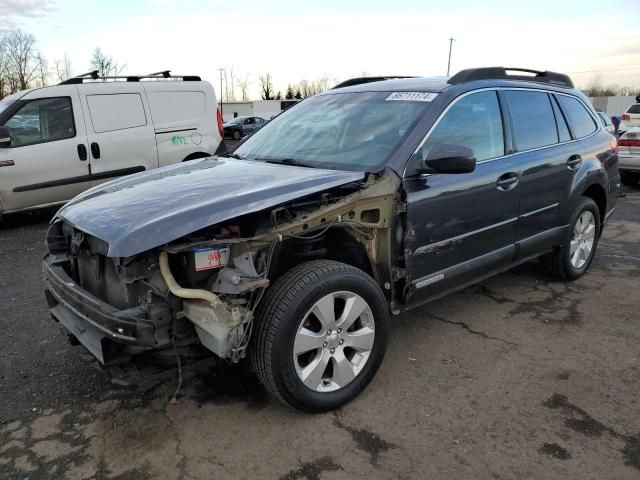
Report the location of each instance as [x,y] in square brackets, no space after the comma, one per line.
[116,112]
[533,119]
[580,120]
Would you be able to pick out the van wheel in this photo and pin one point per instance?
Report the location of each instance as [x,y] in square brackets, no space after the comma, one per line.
[321,334]
[236,134]
[629,179]
[572,259]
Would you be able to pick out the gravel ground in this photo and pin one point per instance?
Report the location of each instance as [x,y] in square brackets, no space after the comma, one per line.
[517,377]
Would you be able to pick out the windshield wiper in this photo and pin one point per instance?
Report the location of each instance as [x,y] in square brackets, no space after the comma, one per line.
[284,161]
[231,155]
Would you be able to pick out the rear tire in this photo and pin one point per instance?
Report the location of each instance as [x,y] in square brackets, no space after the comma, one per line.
[300,353]
[629,179]
[572,259]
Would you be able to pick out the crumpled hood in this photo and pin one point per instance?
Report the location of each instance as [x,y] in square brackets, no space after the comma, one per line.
[142,211]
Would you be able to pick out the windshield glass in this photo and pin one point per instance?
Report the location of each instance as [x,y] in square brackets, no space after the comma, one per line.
[349,131]
[5,104]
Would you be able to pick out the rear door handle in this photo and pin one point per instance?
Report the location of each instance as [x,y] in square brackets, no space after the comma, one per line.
[95,150]
[82,152]
[574,161]
[507,181]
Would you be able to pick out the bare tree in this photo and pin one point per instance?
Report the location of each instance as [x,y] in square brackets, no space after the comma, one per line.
[266,87]
[243,85]
[63,68]
[4,69]
[23,60]
[43,69]
[105,64]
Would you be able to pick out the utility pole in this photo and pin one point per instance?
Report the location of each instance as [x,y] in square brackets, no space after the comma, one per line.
[221,70]
[451,40]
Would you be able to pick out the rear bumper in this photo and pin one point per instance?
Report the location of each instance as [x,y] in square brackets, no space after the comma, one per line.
[108,333]
[629,162]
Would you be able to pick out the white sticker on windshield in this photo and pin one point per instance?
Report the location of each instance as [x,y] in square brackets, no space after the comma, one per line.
[411,97]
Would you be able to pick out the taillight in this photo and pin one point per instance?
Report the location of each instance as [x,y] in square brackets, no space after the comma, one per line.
[626,116]
[629,139]
[220,127]
[614,144]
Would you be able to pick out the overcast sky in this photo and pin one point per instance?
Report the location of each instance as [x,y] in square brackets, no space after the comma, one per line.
[339,38]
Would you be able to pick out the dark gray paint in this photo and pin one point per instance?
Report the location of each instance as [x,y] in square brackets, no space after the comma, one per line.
[143,211]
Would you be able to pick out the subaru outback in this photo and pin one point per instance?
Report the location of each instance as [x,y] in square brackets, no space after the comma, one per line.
[354,205]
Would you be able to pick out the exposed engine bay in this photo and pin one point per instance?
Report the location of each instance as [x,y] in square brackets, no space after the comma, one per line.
[205,287]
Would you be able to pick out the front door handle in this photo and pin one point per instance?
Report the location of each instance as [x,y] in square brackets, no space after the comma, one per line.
[574,161]
[82,152]
[507,181]
[95,150]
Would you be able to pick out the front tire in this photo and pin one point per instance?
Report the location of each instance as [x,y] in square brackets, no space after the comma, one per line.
[321,335]
[573,258]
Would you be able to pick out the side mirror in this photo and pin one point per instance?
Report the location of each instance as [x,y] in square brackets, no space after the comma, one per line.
[5,136]
[445,158]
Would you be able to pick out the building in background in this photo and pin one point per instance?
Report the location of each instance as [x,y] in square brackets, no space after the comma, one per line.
[613,105]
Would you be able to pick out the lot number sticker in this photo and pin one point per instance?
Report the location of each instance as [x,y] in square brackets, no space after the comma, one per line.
[411,97]
[208,258]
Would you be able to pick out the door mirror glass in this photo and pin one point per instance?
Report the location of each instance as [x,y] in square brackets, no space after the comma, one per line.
[5,137]
[445,158]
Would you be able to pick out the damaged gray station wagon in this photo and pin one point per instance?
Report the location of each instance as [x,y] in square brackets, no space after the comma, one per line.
[354,205]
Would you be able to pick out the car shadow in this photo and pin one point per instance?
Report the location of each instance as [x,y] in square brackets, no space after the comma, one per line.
[23,219]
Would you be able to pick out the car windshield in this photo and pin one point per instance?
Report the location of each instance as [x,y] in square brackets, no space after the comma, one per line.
[5,104]
[347,131]
[634,108]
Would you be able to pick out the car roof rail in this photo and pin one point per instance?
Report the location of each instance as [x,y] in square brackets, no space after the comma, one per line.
[361,80]
[163,75]
[503,73]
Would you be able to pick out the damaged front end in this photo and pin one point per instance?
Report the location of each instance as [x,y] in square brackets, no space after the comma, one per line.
[203,289]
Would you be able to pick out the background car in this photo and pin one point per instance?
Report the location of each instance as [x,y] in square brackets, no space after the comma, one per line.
[629,157]
[241,126]
[606,122]
[631,118]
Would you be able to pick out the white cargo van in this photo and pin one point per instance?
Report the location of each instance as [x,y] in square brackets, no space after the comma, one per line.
[57,141]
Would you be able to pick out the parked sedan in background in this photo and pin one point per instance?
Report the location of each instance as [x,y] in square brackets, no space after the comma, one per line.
[607,124]
[629,157]
[241,126]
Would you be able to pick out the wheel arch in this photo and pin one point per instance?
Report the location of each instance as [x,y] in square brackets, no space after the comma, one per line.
[195,156]
[598,194]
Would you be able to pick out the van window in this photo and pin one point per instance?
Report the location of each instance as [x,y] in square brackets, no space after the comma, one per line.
[533,119]
[563,129]
[42,120]
[580,120]
[171,109]
[116,112]
[475,122]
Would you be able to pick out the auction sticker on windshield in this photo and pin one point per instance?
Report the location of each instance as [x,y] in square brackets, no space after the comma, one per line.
[411,97]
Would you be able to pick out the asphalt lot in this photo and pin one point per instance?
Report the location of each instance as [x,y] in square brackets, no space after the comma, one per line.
[518,377]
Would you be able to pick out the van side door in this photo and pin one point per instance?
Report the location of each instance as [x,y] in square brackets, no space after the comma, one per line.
[461,227]
[46,162]
[119,129]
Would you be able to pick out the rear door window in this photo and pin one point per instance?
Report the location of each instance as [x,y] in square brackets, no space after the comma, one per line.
[475,122]
[580,121]
[533,119]
[116,112]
